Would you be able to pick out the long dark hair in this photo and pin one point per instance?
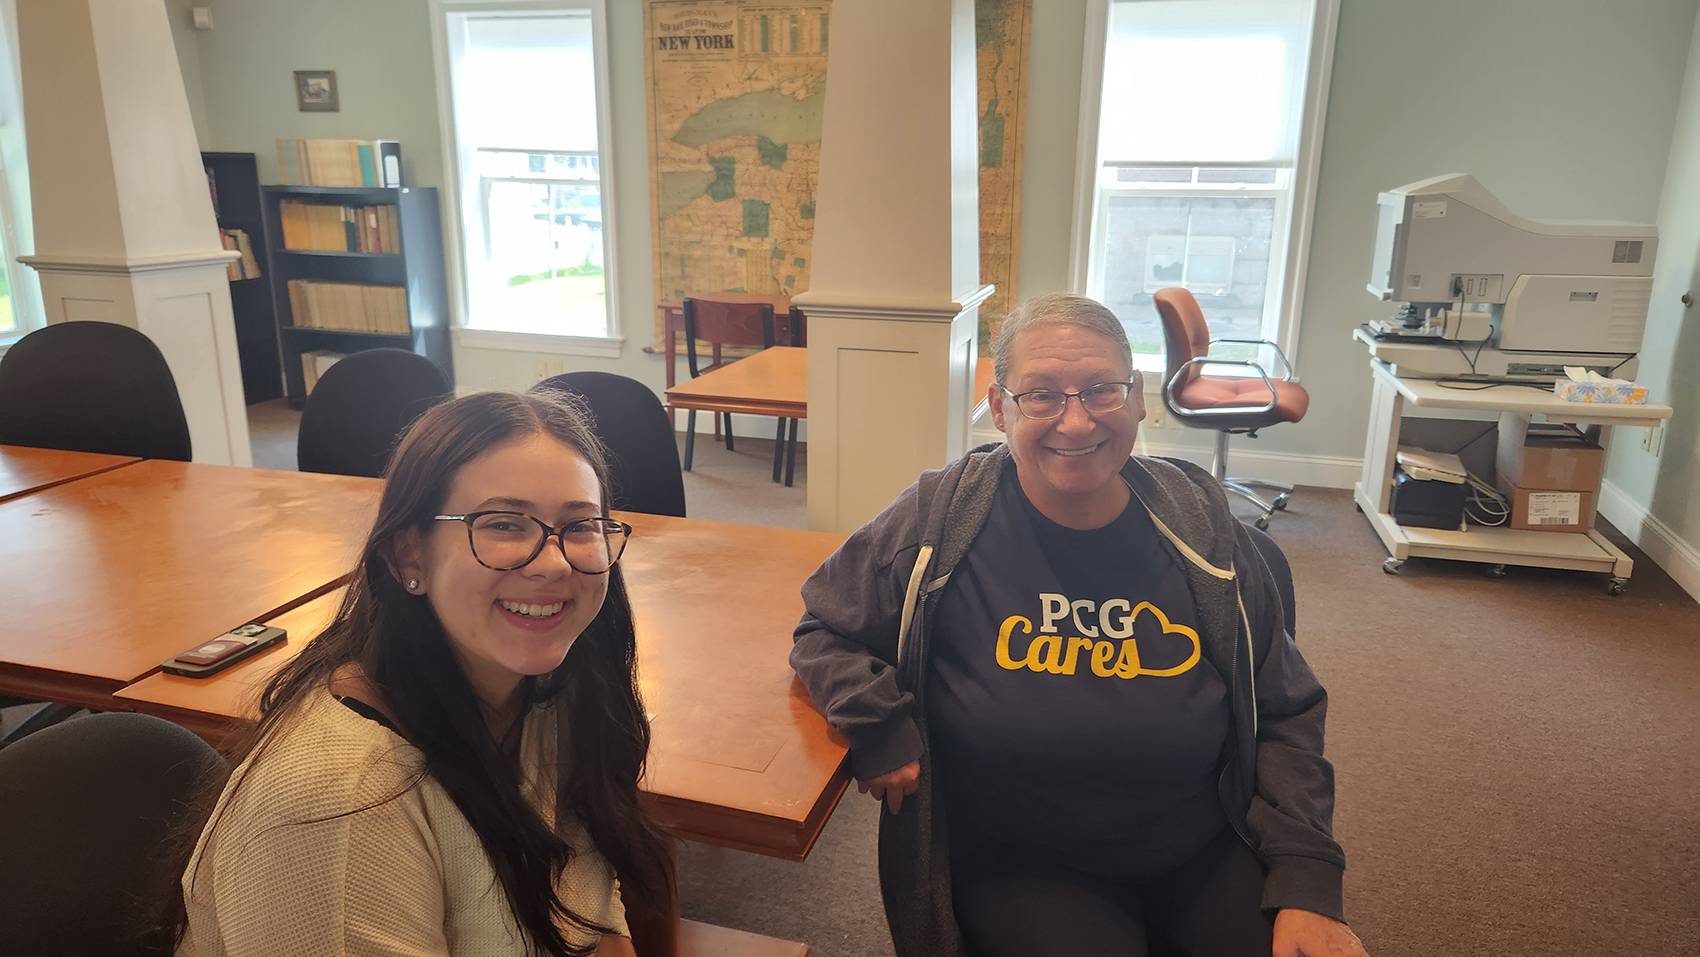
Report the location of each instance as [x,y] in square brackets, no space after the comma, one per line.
[601,730]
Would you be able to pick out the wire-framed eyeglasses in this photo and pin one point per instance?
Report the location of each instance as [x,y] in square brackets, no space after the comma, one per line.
[504,540]
[1100,399]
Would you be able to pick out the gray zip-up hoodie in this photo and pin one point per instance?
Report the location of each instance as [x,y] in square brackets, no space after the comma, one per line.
[862,650]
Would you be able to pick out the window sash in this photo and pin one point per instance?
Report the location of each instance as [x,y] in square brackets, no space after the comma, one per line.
[1294,193]
[1269,325]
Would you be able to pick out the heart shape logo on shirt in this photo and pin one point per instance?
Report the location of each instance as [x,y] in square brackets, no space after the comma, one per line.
[1169,628]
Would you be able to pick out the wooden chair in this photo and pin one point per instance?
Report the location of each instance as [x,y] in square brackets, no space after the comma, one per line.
[739,324]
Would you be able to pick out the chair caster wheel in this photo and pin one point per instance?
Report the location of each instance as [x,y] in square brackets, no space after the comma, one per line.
[1262,523]
[1496,571]
[1392,565]
[1280,503]
[1617,586]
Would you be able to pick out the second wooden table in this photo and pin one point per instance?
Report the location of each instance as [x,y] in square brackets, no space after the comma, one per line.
[110,575]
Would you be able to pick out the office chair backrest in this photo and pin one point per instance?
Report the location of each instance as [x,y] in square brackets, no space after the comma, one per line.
[1282,571]
[91,807]
[360,408]
[92,387]
[791,329]
[1186,334]
[719,324]
[643,457]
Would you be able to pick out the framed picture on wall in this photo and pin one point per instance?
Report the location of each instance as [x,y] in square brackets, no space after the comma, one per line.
[315,91]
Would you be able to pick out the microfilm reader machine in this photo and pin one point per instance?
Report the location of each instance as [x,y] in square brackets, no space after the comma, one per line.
[1490,295]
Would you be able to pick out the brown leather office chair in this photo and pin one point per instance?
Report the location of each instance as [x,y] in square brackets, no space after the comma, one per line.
[1228,404]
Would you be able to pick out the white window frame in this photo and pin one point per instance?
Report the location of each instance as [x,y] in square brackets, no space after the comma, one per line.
[1299,216]
[27,308]
[457,167]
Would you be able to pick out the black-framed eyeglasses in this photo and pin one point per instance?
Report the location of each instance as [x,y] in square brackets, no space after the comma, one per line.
[504,540]
[1100,399]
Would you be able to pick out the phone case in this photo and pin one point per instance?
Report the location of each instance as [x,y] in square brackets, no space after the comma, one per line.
[211,657]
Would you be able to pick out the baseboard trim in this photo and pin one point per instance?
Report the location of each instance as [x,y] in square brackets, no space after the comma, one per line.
[1322,471]
[1679,559]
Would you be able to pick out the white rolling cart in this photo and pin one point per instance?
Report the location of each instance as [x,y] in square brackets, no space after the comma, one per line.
[1581,551]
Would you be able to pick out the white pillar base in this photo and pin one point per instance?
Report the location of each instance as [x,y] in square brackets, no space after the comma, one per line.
[890,395]
[182,303]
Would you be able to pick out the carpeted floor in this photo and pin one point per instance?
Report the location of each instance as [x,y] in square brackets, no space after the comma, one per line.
[1518,759]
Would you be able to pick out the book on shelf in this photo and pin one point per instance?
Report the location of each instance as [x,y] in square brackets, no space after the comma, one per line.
[327,227]
[212,187]
[314,362]
[348,306]
[246,266]
[370,163]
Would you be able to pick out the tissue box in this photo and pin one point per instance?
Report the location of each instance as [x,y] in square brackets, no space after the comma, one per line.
[1610,391]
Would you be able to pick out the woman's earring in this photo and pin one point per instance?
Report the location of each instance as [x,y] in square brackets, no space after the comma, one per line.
[413,584]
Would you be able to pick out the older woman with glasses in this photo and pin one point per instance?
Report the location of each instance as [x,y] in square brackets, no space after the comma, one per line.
[1064,669]
[452,766]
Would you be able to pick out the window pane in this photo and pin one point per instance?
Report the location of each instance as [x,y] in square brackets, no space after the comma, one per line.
[545,258]
[1216,247]
[1204,80]
[1238,176]
[1154,174]
[526,121]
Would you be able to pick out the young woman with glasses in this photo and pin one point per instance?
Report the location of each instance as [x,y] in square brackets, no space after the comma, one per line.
[452,766]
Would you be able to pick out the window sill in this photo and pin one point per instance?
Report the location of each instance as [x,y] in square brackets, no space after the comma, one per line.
[602,348]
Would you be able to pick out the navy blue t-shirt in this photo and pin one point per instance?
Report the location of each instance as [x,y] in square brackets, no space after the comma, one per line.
[1071,712]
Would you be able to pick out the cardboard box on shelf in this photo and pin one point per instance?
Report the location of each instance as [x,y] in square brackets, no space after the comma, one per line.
[1549,510]
[1548,458]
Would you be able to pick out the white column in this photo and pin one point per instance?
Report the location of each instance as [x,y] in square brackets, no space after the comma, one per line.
[894,288]
[124,227]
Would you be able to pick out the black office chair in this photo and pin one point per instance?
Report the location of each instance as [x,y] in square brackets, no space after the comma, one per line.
[360,408]
[643,459]
[92,812]
[1283,572]
[92,387]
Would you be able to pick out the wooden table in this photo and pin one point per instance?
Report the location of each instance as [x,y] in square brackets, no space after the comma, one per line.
[739,756]
[109,575]
[775,382]
[24,470]
[772,382]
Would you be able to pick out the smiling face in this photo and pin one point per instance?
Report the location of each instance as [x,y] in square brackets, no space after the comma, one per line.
[506,625]
[1069,465]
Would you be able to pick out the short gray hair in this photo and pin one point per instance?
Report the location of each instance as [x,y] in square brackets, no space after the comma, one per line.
[1057,308]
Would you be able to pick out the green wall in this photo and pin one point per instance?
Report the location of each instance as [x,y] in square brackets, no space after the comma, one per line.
[1668,485]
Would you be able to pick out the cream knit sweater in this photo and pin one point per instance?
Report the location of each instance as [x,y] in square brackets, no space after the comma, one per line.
[403,878]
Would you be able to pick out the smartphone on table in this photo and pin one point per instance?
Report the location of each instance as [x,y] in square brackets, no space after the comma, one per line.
[211,657]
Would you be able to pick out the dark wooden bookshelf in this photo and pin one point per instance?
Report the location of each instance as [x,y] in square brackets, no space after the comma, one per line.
[240,206]
[418,268]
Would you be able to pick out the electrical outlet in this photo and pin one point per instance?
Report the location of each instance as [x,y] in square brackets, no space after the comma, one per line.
[1653,439]
[546,367]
